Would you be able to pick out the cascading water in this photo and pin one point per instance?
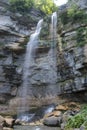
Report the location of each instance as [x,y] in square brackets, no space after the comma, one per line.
[29,60]
[53,28]
[53,35]
[52,53]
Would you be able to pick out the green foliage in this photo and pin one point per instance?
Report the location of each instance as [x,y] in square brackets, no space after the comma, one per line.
[81,36]
[46,6]
[73,15]
[21,5]
[64,17]
[78,119]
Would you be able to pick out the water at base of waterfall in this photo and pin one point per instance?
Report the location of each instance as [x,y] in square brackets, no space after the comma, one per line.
[35,114]
[35,128]
[26,117]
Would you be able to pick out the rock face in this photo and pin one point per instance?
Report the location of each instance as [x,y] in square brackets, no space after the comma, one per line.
[59,72]
[80,3]
[72,75]
[14,34]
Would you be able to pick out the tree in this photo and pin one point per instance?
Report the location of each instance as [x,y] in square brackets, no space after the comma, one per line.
[47,6]
[21,5]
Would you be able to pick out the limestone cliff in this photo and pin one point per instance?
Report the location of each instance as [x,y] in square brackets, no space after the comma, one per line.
[48,79]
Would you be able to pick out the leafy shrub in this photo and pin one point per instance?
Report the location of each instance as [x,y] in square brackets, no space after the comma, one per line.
[21,5]
[75,14]
[46,6]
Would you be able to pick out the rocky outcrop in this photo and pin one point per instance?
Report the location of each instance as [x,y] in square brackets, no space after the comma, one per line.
[72,76]
[15,30]
[56,71]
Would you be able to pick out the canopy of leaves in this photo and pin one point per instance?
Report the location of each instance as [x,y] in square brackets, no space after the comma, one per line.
[46,6]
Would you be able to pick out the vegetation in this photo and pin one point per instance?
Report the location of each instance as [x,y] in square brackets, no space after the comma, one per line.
[73,15]
[21,5]
[81,36]
[46,6]
[78,120]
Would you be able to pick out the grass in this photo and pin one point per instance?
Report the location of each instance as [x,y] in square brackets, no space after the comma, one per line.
[78,120]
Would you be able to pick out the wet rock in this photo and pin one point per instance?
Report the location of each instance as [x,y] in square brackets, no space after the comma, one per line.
[52,121]
[82,127]
[6,128]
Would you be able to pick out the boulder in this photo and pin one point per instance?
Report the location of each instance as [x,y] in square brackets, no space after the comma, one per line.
[61,108]
[52,121]
[54,113]
[9,121]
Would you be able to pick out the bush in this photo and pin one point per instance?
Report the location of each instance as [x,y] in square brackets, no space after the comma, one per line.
[64,17]
[21,5]
[47,6]
[73,15]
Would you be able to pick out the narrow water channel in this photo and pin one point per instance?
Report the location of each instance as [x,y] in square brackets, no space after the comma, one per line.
[35,128]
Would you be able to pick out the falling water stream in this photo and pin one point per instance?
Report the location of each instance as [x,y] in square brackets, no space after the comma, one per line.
[28,61]
[53,33]
[30,52]
[53,28]
[53,51]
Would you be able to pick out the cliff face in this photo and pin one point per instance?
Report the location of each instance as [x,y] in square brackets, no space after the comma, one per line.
[15,30]
[72,55]
[63,73]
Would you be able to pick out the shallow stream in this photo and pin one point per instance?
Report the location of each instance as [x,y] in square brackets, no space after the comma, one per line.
[35,128]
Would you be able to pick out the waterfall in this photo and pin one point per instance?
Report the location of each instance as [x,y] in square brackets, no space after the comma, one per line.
[53,51]
[53,28]
[53,33]
[28,61]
